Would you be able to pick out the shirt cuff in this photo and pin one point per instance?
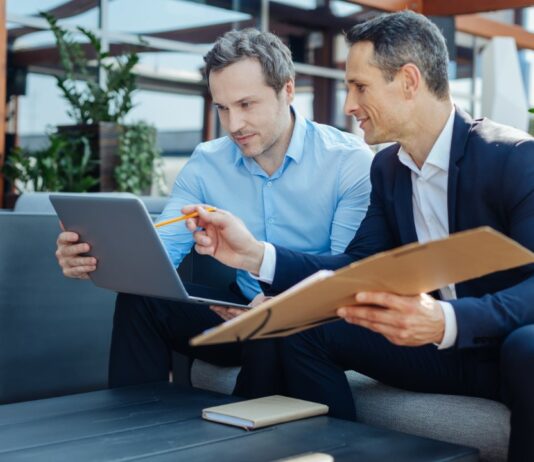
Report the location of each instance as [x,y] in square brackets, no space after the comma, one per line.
[451,326]
[268,264]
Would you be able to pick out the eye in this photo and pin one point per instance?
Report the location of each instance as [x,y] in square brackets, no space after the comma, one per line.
[246,104]
[221,108]
[360,88]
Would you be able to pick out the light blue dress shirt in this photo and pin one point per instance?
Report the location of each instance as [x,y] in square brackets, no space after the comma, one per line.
[313,203]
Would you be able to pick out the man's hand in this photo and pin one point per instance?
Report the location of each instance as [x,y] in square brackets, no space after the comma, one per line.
[405,321]
[226,238]
[68,255]
[229,313]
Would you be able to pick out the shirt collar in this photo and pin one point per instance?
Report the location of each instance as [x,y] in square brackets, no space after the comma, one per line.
[440,153]
[294,150]
[296,145]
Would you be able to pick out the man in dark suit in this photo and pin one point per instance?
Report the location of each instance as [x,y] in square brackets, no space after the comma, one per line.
[446,173]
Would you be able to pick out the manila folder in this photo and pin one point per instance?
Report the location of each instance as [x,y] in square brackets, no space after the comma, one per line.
[408,270]
[261,412]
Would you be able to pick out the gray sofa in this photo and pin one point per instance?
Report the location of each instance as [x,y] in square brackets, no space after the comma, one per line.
[55,336]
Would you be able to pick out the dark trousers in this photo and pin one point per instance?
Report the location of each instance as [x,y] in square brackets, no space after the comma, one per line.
[315,362]
[517,376]
[147,330]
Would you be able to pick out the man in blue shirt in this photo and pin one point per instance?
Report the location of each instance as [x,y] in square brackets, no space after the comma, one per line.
[292,181]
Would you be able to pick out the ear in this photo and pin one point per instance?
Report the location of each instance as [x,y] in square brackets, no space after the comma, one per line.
[411,80]
[289,90]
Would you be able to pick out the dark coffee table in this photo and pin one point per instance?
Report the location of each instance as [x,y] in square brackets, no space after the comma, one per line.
[161,422]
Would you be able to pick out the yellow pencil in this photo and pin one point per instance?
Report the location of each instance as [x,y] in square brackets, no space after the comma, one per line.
[183,217]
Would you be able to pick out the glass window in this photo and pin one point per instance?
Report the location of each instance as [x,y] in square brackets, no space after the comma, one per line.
[41,93]
[151,16]
[170,63]
[304,104]
[68,15]
[31,7]
[169,112]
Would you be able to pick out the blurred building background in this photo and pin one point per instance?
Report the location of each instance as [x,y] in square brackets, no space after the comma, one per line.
[489,77]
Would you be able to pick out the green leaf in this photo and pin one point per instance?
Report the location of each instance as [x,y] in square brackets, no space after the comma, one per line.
[109,101]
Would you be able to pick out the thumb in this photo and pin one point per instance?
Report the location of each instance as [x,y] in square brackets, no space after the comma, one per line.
[218,218]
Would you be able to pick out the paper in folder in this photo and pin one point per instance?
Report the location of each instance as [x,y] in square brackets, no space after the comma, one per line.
[408,270]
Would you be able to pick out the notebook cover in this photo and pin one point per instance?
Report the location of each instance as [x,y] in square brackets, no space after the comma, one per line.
[261,412]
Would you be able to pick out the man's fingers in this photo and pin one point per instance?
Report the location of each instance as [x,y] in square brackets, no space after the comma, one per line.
[202,250]
[203,243]
[217,308]
[373,314]
[80,272]
[218,218]
[66,254]
[387,330]
[395,302]
[221,311]
[227,313]
[81,262]
[191,208]
[75,250]
[67,237]
[235,311]
[191,224]
[202,238]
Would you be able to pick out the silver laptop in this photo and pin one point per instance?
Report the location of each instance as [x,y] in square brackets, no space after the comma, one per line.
[130,254]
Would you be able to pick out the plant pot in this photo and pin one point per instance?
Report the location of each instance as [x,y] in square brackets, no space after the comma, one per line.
[10,199]
[104,141]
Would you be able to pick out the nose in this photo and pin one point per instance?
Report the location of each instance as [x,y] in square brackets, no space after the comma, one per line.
[351,104]
[236,121]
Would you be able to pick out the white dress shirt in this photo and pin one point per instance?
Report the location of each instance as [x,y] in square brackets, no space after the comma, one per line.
[431,218]
[430,210]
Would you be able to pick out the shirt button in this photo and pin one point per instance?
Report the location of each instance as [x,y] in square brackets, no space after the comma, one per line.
[270,221]
[270,184]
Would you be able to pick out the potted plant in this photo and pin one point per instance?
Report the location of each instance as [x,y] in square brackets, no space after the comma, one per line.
[97,152]
[65,165]
[140,160]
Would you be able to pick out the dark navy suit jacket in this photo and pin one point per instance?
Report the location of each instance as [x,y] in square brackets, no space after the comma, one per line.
[491,182]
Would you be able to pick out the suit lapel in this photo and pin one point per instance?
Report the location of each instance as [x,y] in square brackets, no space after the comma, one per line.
[402,199]
[460,133]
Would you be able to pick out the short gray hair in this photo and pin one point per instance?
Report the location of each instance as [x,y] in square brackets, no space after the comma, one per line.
[273,56]
[406,37]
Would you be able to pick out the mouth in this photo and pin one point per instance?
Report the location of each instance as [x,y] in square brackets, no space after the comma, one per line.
[243,139]
[362,121]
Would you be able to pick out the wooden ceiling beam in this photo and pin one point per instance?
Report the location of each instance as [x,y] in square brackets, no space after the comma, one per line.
[443,7]
[484,27]
[319,18]
[391,5]
[469,23]
[65,10]
[45,56]
[203,34]
[456,7]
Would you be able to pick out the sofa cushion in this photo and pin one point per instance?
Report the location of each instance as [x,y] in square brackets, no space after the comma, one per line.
[54,331]
[474,422]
